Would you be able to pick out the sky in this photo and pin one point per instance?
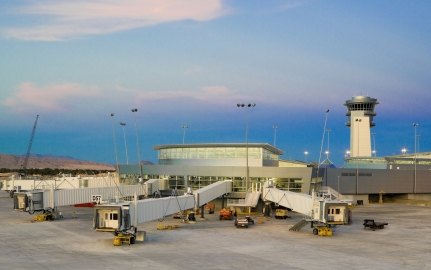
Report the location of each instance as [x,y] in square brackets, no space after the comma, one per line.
[190,62]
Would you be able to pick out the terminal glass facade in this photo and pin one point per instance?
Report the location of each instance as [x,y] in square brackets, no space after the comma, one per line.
[195,182]
[195,166]
[216,153]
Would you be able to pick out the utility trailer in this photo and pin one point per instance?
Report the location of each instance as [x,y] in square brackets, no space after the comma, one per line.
[371,224]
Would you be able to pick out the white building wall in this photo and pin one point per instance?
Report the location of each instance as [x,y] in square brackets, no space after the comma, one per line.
[360,135]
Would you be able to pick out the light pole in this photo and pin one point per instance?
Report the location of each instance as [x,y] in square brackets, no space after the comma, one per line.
[306,155]
[327,151]
[246,106]
[114,141]
[374,145]
[323,137]
[184,131]
[138,146]
[275,133]
[415,125]
[418,142]
[125,142]
[403,150]
[327,154]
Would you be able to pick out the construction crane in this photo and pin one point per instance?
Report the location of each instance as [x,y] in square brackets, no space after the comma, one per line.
[30,143]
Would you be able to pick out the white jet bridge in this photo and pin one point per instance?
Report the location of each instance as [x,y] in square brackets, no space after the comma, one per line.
[318,210]
[251,198]
[124,217]
[60,182]
[50,199]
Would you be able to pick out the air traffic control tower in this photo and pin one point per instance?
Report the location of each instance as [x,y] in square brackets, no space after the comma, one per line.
[360,120]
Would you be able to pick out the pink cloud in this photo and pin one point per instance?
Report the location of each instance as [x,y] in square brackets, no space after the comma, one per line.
[65,19]
[207,94]
[53,98]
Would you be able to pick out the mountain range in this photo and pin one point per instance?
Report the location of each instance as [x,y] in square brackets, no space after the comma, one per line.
[51,162]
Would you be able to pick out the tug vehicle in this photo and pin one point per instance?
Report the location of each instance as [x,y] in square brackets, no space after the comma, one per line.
[281,213]
[243,222]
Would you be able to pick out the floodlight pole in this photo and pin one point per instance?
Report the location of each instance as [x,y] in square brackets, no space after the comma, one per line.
[374,144]
[275,133]
[138,145]
[115,143]
[249,105]
[184,131]
[415,125]
[125,142]
[323,137]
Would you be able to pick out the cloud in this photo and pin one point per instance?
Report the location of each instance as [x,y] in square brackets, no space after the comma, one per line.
[52,98]
[193,71]
[65,19]
[62,97]
[291,4]
[207,94]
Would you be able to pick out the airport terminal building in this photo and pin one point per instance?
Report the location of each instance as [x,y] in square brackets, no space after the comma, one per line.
[198,165]
[362,178]
[407,175]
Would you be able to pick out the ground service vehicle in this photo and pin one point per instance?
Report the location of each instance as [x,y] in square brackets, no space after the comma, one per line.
[243,222]
[281,213]
[210,207]
[226,214]
[371,224]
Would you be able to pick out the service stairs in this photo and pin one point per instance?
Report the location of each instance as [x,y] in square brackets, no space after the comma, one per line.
[299,225]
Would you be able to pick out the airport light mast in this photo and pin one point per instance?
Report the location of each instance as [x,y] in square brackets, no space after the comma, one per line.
[360,120]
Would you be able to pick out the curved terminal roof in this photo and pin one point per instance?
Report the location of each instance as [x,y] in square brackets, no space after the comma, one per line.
[266,146]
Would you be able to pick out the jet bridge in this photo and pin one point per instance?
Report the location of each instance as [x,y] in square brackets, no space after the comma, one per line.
[298,202]
[206,194]
[63,182]
[45,200]
[125,216]
[315,209]
[251,197]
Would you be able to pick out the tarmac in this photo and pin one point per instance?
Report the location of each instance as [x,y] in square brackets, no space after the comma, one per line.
[71,243]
